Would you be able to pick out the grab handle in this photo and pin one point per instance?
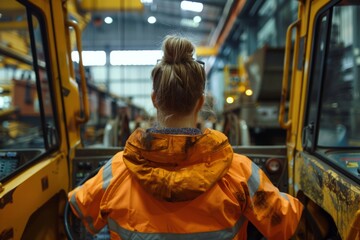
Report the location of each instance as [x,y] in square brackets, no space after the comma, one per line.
[84,97]
[285,81]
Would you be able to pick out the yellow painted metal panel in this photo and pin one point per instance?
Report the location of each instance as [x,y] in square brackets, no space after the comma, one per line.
[13,25]
[111,5]
[82,19]
[14,41]
[11,5]
[205,51]
[26,193]
[325,186]
[329,189]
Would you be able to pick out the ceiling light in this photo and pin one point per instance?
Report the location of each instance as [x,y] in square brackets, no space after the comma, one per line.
[151,20]
[191,6]
[90,58]
[146,1]
[248,92]
[189,23]
[108,20]
[135,57]
[230,100]
[197,19]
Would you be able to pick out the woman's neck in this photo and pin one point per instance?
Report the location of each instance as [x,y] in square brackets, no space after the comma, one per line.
[175,121]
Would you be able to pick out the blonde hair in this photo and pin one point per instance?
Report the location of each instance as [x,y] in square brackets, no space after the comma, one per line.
[178,79]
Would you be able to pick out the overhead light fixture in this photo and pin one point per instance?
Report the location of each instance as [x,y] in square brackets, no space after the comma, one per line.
[197,19]
[90,58]
[135,57]
[230,100]
[189,23]
[248,92]
[151,19]
[146,1]
[108,20]
[191,6]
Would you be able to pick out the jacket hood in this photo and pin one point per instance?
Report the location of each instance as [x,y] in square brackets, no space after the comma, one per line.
[177,168]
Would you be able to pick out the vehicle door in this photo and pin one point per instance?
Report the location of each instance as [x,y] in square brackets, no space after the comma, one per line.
[326,162]
[39,119]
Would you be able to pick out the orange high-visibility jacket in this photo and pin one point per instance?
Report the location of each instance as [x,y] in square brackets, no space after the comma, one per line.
[166,186]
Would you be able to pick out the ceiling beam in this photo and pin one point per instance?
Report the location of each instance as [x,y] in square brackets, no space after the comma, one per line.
[111,5]
[235,11]
[180,16]
[231,12]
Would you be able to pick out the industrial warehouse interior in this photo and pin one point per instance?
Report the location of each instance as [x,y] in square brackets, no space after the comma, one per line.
[282,92]
[221,30]
[227,34]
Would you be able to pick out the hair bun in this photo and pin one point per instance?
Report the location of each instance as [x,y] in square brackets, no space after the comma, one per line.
[177,50]
[178,81]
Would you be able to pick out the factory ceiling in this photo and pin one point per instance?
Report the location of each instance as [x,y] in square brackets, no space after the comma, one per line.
[126,24]
[130,28]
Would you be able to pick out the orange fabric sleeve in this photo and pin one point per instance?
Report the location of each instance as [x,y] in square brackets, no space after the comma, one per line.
[275,214]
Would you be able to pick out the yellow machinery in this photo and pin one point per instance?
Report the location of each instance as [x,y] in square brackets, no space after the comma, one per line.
[39,140]
[42,155]
[322,123]
[253,88]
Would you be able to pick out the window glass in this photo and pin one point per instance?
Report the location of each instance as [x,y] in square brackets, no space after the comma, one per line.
[340,113]
[333,117]
[49,133]
[27,125]
[315,83]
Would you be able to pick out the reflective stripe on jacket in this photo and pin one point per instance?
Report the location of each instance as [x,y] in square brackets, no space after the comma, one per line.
[183,187]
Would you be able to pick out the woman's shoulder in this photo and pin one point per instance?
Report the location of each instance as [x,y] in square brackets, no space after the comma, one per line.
[117,164]
[240,160]
[241,167]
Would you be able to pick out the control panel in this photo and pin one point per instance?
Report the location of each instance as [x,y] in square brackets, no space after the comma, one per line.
[275,169]
[88,161]
[12,161]
[84,167]
[272,160]
[86,164]
[9,161]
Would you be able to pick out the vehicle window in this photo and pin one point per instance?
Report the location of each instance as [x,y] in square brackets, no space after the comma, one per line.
[332,125]
[27,125]
[315,85]
[340,111]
